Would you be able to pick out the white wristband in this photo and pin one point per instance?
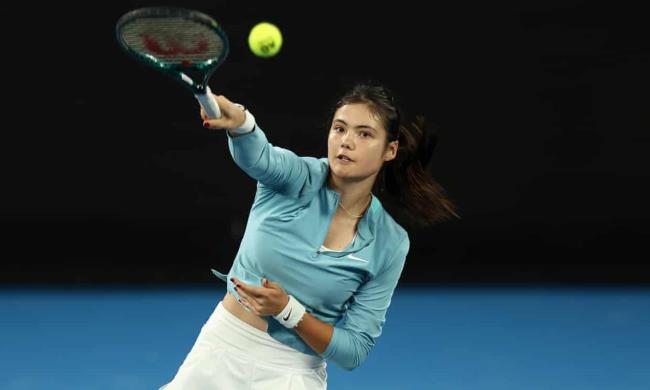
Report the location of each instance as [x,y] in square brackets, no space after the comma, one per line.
[247,126]
[291,315]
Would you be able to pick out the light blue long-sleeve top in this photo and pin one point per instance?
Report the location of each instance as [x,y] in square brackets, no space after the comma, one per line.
[288,222]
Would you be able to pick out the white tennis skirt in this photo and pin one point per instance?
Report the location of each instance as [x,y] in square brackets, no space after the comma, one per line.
[231,354]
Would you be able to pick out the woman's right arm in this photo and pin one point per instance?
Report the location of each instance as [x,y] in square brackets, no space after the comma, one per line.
[277,168]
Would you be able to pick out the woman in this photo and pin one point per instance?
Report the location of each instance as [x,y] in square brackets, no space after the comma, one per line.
[321,256]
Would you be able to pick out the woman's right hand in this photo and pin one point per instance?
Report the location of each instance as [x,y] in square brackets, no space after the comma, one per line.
[232,115]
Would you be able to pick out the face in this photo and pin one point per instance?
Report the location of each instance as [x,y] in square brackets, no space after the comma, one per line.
[358,134]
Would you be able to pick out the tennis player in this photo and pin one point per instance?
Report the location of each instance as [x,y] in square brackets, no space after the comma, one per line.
[321,255]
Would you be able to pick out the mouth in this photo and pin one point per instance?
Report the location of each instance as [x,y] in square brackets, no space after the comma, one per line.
[343,157]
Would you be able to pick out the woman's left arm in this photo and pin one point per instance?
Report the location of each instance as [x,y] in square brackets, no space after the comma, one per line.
[348,343]
[270,300]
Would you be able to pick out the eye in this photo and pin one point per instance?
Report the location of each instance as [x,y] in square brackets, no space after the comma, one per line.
[365,134]
[338,128]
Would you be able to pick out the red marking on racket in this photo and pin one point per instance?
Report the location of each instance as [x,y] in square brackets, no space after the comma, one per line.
[174,48]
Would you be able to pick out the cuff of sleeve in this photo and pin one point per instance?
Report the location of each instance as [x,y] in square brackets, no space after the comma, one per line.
[247,126]
[331,347]
[247,149]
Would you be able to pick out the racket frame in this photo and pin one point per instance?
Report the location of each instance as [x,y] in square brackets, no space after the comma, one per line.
[199,88]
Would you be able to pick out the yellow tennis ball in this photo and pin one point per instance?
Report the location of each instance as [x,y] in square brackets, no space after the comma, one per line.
[265,40]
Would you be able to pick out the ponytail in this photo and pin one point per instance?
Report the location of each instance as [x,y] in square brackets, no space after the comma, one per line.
[411,195]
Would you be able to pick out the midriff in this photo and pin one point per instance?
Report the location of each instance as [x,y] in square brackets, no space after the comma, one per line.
[231,304]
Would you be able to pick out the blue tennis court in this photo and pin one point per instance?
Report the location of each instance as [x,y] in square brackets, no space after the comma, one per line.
[531,337]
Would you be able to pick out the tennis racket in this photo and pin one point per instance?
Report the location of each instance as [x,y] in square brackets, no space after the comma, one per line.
[185,44]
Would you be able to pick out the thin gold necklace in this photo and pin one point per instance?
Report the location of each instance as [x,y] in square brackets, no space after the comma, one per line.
[352,215]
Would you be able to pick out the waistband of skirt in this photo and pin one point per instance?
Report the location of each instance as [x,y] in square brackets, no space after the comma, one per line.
[250,342]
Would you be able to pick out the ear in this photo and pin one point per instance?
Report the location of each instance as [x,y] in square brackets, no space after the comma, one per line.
[391,150]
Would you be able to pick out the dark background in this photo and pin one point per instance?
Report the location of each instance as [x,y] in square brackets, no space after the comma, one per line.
[542,110]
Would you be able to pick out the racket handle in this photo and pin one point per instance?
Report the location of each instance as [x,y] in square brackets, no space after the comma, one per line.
[209,104]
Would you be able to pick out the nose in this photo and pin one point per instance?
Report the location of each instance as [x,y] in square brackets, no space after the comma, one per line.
[346,140]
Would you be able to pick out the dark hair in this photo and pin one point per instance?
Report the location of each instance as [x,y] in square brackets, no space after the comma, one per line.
[409,194]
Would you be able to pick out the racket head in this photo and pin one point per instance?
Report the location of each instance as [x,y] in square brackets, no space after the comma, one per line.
[178,41]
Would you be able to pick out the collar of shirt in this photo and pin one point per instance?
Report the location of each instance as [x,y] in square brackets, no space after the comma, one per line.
[364,228]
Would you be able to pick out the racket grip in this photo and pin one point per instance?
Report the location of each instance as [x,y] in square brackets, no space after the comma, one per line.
[209,104]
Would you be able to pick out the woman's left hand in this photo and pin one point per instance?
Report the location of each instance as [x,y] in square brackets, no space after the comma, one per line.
[268,300]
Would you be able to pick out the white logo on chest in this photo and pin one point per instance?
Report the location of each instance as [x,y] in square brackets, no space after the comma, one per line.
[357,258]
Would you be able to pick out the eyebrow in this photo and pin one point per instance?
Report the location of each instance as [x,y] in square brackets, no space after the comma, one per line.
[358,127]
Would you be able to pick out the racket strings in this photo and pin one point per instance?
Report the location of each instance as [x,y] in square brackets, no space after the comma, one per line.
[173,40]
